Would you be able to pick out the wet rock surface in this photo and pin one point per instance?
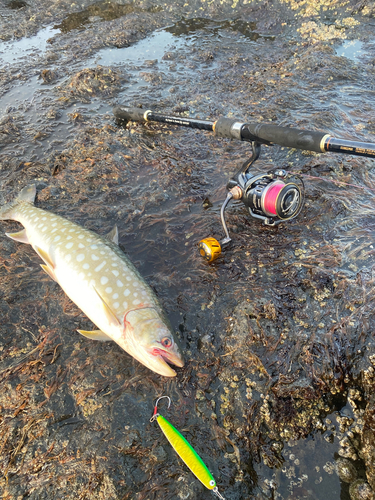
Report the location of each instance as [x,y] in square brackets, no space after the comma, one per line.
[277,393]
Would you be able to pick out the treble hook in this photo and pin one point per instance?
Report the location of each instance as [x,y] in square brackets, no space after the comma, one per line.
[156,414]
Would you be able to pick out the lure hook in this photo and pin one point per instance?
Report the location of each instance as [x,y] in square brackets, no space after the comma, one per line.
[156,414]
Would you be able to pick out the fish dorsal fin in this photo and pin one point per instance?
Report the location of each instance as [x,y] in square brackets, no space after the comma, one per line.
[49,271]
[45,256]
[111,316]
[95,335]
[113,235]
[21,236]
[27,194]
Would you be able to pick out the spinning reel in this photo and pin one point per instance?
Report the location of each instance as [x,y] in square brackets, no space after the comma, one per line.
[274,197]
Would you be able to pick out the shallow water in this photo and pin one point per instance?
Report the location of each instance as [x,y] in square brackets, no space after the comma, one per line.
[277,333]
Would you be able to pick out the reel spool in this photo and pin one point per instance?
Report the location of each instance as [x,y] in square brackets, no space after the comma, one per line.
[274,197]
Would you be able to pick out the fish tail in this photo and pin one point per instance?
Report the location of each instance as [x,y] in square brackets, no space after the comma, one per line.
[26,195]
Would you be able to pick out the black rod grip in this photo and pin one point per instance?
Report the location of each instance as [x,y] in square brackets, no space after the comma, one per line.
[284,136]
[129,114]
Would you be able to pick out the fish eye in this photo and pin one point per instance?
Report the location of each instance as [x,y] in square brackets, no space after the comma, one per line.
[166,342]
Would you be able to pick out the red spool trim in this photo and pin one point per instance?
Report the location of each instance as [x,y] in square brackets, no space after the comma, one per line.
[270,198]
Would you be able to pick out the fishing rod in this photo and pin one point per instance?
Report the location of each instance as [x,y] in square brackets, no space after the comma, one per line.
[273,197]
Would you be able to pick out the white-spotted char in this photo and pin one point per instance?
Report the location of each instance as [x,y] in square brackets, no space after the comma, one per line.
[101,280]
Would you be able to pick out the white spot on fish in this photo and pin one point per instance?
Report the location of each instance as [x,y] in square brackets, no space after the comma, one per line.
[125,305]
[89,240]
[71,230]
[114,264]
[54,224]
[86,266]
[94,257]
[115,273]
[94,247]
[144,292]
[80,245]
[127,292]
[108,289]
[119,283]
[68,237]
[135,294]
[101,252]
[115,305]
[36,218]
[136,283]
[54,230]
[80,236]
[128,278]
[136,302]
[100,266]
[44,218]
[104,280]
[69,245]
[80,257]
[115,296]
[44,229]
[57,238]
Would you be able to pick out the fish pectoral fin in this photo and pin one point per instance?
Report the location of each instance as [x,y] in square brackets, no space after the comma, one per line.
[49,271]
[113,235]
[44,256]
[21,236]
[95,335]
[111,316]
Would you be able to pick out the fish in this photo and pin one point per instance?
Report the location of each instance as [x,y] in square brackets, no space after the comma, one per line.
[99,278]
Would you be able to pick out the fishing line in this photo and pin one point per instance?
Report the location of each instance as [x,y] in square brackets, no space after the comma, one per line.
[330,180]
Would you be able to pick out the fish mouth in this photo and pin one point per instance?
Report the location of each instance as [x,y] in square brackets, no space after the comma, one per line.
[160,359]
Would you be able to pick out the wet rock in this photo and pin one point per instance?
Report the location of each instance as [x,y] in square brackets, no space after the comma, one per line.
[346,470]
[159,454]
[53,114]
[361,490]
[127,440]
[95,81]
[48,76]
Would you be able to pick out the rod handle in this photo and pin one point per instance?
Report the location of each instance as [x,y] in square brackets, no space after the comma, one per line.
[127,114]
[286,136]
[266,133]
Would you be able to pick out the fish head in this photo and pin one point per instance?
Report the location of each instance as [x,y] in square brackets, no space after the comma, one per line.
[150,340]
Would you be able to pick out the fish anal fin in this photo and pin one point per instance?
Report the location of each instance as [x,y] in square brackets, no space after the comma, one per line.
[44,256]
[49,271]
[113,235]
[20,236]
[111,316]
[95,335]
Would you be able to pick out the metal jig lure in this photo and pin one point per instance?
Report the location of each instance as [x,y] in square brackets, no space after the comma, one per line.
[185,451]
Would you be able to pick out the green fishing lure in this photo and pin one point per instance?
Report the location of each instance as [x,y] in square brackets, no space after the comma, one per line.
[185,451]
